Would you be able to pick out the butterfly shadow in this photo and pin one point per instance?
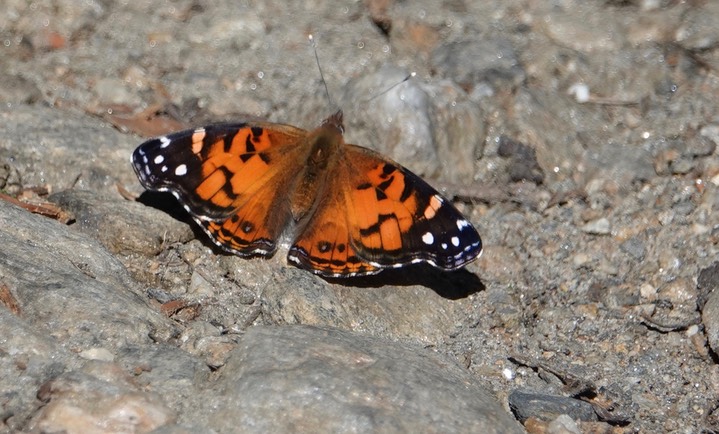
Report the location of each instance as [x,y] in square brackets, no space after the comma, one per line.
[452,285]
[166,203]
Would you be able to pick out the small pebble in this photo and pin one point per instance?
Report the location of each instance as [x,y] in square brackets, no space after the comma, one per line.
[101,354]
[599,226]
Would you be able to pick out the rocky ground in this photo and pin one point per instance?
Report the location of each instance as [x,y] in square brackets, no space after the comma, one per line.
[579,137]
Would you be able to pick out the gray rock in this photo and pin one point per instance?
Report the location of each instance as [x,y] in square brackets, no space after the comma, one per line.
[16,89]
[564,424]
[696,32]
[400,121]
[634,247]
[710,138]
[710,319]
[285,379]
[548,407]
[587,29]
[707,283]
[682,165]
[99,398]
[112,91]
[181,429]
[470,62]
[523,165]
[28,358]
[708,303]
[433,128]
[295,297]
[64,150]
[68,285]
[122,226]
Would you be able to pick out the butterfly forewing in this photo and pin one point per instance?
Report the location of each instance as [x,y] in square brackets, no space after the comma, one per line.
[396,218]
[213,170]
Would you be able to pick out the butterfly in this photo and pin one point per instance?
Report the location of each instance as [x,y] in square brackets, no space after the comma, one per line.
[347,210]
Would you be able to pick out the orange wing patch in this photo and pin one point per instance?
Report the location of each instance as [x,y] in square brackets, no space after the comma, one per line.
[382,204]
[247,153]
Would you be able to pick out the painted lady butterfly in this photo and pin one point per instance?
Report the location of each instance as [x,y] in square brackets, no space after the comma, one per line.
[349,210]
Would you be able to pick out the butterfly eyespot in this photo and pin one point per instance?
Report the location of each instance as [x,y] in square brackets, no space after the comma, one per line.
[341,248]
[247,227]
[324,246]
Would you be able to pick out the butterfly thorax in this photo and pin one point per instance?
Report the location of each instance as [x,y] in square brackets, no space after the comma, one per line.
[324,144]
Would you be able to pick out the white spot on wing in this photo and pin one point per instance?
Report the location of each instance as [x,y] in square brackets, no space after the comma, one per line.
[461,224]
[455,241]
[428,238]
[164,142]
[181,170]
[159,159]
[163,169]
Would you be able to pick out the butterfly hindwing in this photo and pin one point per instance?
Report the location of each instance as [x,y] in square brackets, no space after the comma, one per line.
[324,246]
[254,227]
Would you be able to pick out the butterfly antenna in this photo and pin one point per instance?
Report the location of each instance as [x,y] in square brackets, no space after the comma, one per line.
[410,75]
[322,76]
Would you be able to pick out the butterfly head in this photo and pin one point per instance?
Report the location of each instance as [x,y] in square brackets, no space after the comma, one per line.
[335,121]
